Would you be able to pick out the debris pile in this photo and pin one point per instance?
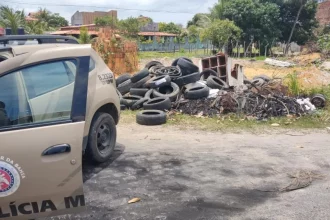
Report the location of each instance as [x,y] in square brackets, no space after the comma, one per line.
[181,87]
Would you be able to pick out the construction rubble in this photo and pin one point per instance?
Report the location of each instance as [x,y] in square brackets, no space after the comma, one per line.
[217,89]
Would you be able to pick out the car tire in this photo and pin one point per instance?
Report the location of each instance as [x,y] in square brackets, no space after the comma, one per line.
[162,103]
[128,101]
[206,73]
[151,117]
[141,83]
[158,81]
[264,77]
[152,64]
[175,62]
[102,134]
[184,80]
[258,82]
[196,91]
[123,107]
[139,104]
[187,67]
[149,94]
[123,78]
[124,87]
[140,75]
[216,83]
[138,91]
[171,91]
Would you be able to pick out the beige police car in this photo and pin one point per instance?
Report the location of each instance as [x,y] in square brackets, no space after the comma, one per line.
[56,102]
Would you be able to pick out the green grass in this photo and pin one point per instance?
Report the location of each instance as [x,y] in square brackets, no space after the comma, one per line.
[155,54]
[234,123]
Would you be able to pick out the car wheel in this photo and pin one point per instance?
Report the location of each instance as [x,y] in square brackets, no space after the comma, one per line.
[102,137]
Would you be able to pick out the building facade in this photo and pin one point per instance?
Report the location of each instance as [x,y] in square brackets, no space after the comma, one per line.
[85,18]
[323,13]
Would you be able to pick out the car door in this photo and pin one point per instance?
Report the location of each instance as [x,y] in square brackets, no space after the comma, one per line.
[42,119]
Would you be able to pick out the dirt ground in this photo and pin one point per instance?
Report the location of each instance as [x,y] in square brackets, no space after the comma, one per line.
[309,74]
[198,175]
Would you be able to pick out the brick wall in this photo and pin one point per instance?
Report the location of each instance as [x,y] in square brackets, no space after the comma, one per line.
[89,17]
[323,13]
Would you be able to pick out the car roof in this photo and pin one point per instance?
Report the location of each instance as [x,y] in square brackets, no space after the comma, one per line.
[42,39]
[19,50]
[42,50]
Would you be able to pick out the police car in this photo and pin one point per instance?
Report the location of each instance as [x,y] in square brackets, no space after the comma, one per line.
[56,102]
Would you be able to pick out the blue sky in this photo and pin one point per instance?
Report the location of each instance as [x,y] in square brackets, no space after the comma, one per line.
[190,6]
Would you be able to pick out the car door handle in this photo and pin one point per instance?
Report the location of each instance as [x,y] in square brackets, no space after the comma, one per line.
[57,149]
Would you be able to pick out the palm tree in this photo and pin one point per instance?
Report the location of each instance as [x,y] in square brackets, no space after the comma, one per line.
[11,19]
[35,27]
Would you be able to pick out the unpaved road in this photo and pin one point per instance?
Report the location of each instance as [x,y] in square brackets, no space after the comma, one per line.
[196,175]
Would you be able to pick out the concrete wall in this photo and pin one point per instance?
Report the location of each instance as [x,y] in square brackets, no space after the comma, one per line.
[77,19]
[83,18]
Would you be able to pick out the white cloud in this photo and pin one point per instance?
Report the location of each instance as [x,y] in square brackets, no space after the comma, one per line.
[191,6]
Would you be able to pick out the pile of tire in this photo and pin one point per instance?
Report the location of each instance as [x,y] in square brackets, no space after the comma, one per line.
[155,88]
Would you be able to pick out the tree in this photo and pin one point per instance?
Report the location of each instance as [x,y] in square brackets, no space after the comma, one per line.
[193,33]
[144,20]
[84,37]
[11,19]
[259,21]
[220,32]
[297,18]
[35,27]
[129,27]
[55,21]
[200,20]
[106,21]
[218,9]
[170,28]
[52,21]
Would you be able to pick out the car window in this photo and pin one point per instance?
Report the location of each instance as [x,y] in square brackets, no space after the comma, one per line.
[40,93]
[47,77]
[91,64]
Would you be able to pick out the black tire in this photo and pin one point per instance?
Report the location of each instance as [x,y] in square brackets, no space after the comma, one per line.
[138,91]
[258,82]
[141,83]
[162,103]
[153,63]
[123,78]
[171,91]
[206,73]
[187,67]
[153,70]
[196,91]
[216,83]
[128,101]
[175,62]
[123,107]
[139,104]
[124,87]
[318,100]
[102,138]
[140,75]
[264,77]
[151,117]
[158,81]
[184,80]
[149,94]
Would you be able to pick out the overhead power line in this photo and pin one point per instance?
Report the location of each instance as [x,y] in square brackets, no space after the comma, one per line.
[93,6]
